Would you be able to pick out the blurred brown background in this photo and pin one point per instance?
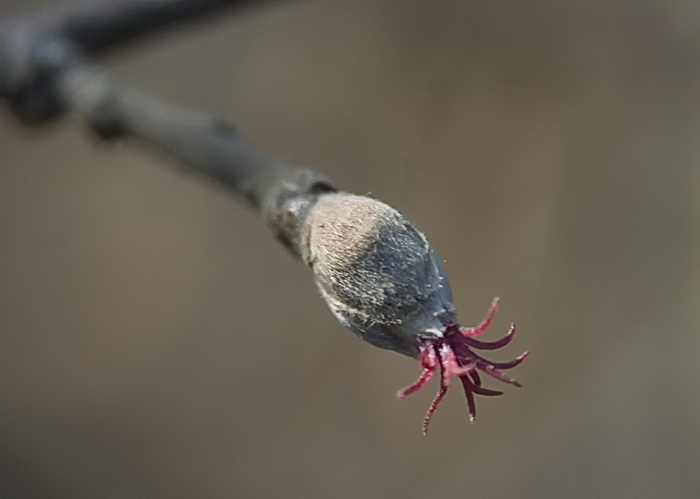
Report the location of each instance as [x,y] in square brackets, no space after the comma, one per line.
[155,341]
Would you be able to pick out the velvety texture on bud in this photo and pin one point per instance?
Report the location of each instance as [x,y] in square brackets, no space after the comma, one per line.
[383,280]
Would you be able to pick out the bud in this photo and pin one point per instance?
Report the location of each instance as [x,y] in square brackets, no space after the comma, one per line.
[383,280]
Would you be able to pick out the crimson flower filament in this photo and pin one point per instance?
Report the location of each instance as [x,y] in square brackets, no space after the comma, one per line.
[453,353]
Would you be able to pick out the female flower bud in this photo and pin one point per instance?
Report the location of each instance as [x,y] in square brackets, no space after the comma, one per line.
[383,280]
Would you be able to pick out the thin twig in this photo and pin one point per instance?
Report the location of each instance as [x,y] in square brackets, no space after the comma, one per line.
[45,73]
[101,24]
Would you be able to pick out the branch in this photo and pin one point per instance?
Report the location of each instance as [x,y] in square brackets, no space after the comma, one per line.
[44,73]
[87,27]
[100,24]
[203,144]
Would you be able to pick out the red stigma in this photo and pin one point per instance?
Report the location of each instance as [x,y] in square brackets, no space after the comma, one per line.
[454,355]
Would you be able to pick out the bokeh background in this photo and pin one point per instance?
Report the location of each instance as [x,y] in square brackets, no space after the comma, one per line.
[156,341]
